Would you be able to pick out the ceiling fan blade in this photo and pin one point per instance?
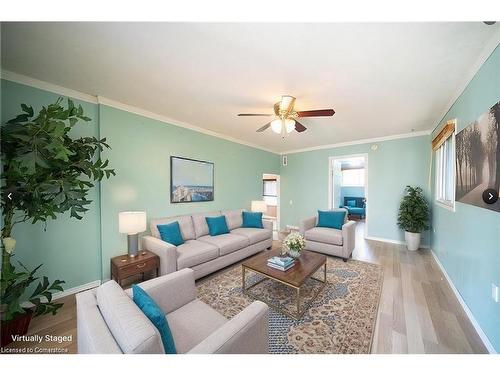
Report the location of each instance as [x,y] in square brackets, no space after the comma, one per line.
[254,114]
[316,113]
[299,127]
[264,127]
[277,108]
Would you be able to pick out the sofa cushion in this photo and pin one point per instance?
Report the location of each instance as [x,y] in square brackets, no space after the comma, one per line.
[171,233]
[193,323]
[252,220]
[200,223]
[185,224]
[217,225]
[351,203]
[194,252]
[227,243]
[254,235]
[234,218]
[131,329]
[153,312]
[325,235]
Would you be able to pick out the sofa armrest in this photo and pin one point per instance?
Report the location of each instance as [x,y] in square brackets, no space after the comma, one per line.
[246,333]
[171,291]
[166,251]
[348,238]
[268,224]
[307,224]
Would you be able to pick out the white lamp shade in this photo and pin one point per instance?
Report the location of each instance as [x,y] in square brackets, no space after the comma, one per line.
[259,206]
[289,125]
[276,126]
[132,222]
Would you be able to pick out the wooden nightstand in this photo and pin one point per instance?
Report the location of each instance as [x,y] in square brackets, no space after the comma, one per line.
[123,266]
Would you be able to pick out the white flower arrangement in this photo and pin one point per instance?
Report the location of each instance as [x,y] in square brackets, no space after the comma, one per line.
[294,242]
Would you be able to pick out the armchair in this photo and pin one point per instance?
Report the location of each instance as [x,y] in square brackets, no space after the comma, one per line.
[329,241]
[108,321]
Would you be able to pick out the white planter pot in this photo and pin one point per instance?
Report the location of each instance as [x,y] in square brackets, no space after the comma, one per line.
[412,240]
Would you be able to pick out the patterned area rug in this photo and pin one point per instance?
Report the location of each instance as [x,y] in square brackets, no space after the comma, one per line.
[340,320]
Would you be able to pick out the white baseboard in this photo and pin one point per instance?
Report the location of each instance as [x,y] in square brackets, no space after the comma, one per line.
[77,289]
[68,292]
[473,320]
[396,242]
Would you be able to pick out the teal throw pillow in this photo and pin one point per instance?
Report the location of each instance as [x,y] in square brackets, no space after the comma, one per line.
[171,233]
[217,225]
[331,219]
[149,307]
[351,203]
[252,220]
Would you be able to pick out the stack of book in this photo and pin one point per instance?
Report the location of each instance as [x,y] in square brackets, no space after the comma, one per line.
[281,264]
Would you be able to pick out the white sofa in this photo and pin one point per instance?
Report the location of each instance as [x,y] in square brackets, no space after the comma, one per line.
[330,241]
[109,322]
[201,252]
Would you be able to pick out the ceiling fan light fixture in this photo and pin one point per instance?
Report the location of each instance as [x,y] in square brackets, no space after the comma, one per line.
[289,125]
[276,126]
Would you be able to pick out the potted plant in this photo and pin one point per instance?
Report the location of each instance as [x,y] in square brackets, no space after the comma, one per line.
[45,172]
[413,216]
[294,243]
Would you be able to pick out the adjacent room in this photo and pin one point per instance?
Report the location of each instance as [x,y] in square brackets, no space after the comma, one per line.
[181,188]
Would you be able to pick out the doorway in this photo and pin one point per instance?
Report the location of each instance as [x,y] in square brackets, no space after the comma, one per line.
[348,186]
[271,195]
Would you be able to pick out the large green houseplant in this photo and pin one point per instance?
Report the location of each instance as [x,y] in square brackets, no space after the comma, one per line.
[413,216]
[45,172]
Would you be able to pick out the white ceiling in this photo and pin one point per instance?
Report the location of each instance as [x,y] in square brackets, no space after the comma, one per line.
[381,79]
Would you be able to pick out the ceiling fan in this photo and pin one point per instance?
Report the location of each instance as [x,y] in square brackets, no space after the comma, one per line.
[285,121]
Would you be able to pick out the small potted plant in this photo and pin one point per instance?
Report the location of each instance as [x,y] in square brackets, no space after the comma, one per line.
[294,243]
[413,216]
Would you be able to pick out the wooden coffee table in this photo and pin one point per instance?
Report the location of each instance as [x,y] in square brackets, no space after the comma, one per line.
[304,268]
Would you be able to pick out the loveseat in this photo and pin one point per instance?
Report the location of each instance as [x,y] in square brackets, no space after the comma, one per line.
[201,252]
[109,322]
[355,206]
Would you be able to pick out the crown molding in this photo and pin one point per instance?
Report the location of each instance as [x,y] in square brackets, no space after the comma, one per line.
[42,85]
[489,48]
[360,142]
[155,116]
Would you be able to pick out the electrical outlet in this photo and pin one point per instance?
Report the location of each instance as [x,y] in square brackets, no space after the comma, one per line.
[494,292]
[291,202]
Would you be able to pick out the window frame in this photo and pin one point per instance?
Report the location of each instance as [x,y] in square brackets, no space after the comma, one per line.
[440,182]
[362,174]
[264,188]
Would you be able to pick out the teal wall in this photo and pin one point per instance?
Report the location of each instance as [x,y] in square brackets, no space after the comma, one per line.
[467,241]
[141,150]
[69,248]
[351,191]
[395,164]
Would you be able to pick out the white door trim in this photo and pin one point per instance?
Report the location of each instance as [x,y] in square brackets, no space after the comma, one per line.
[331,160]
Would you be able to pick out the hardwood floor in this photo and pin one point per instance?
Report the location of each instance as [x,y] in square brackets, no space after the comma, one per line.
[418,312]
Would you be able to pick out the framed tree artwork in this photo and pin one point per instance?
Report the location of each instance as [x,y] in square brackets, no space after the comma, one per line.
[478,159]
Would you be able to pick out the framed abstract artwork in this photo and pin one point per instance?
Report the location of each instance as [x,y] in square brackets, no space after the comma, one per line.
[191,180]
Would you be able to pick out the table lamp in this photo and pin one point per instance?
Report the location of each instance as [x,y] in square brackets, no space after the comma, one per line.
[259,206]
[132,223]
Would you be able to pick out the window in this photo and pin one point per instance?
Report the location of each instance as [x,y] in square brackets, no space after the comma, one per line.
[270,188]
[445,173]
[353,177]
